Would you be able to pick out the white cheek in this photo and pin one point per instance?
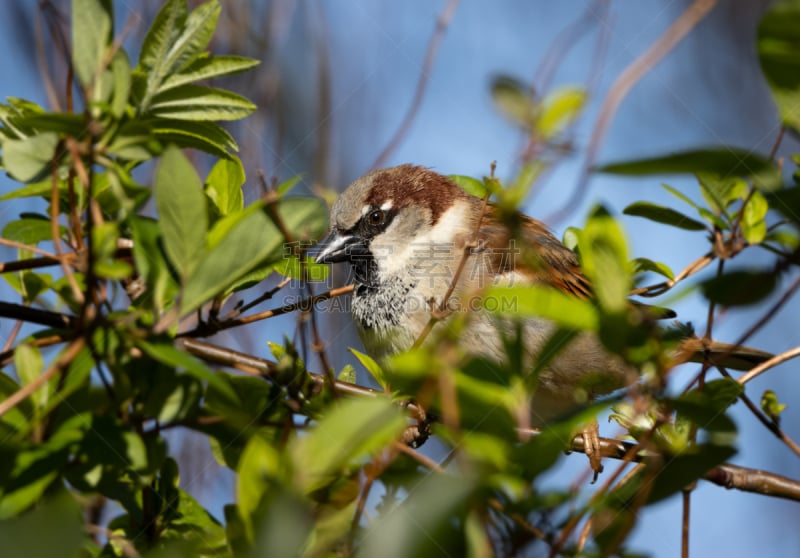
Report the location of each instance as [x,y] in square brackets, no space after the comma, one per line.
[432,248]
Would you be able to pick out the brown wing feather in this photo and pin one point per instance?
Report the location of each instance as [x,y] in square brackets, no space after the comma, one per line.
[536,253]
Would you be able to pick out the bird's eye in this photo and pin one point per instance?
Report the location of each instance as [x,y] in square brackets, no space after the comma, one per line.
[376,218]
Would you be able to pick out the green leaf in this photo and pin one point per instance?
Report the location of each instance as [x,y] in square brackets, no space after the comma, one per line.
[665,215]
[91,34]
[58,517]
[679,195]
[174,41]
[514,100]
[162,33]
[778,47]
[787,201]
[345,436]
[754,225]
[539,301]
[642,265]
[43,188]
[259,463]
[135,141]
[29,366]
[604,259]
[199,103]
[740,288]
[30,231]
[372,367]
[121,72]
[559,110]
[722,162]
[238,252]
[171,356]
[429,522]
[347,374]
[60,122]
[470,185]
[224,185]
[285,186]
[182,210]
[160,287]
[720,192]
[681,470]
[771,406]
[205,136]
[29,159]
[207,67]
[249,242]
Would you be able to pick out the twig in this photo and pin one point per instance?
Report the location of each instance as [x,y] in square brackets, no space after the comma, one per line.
[7,356]
[430,55]
[624,83]
[28,247]
[54,211]
[34,263]
[63,361]
[208,329]
[660,288]
[771,425]
[236,312]
[440,312]
[771,363]
[752,330]
[36,316]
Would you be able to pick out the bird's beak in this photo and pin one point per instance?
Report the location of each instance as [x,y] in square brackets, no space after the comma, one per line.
[337,247]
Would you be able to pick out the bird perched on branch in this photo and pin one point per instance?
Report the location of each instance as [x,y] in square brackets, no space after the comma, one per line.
[417,243]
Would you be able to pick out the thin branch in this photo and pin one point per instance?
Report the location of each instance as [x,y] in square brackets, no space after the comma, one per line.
[771,363]
[209,329]
[62,362]
[770,424]
[36,316]
[442,23]
[622,86]
[34,263]
[54,211]
[660,288]
[441,312]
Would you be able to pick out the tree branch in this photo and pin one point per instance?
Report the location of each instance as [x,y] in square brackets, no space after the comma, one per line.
[725,475]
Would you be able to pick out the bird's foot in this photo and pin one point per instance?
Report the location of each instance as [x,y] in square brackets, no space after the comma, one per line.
[591,446]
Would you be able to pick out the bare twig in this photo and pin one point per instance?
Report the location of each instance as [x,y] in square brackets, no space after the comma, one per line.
[36,316]
[309,302]
[622,86]
[440,312]
[771,363]
[442,23]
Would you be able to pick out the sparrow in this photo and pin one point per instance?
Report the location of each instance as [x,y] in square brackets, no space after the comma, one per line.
[404,231]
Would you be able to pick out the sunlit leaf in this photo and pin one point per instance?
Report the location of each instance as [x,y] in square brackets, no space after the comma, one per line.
[91,34]
[182,209]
